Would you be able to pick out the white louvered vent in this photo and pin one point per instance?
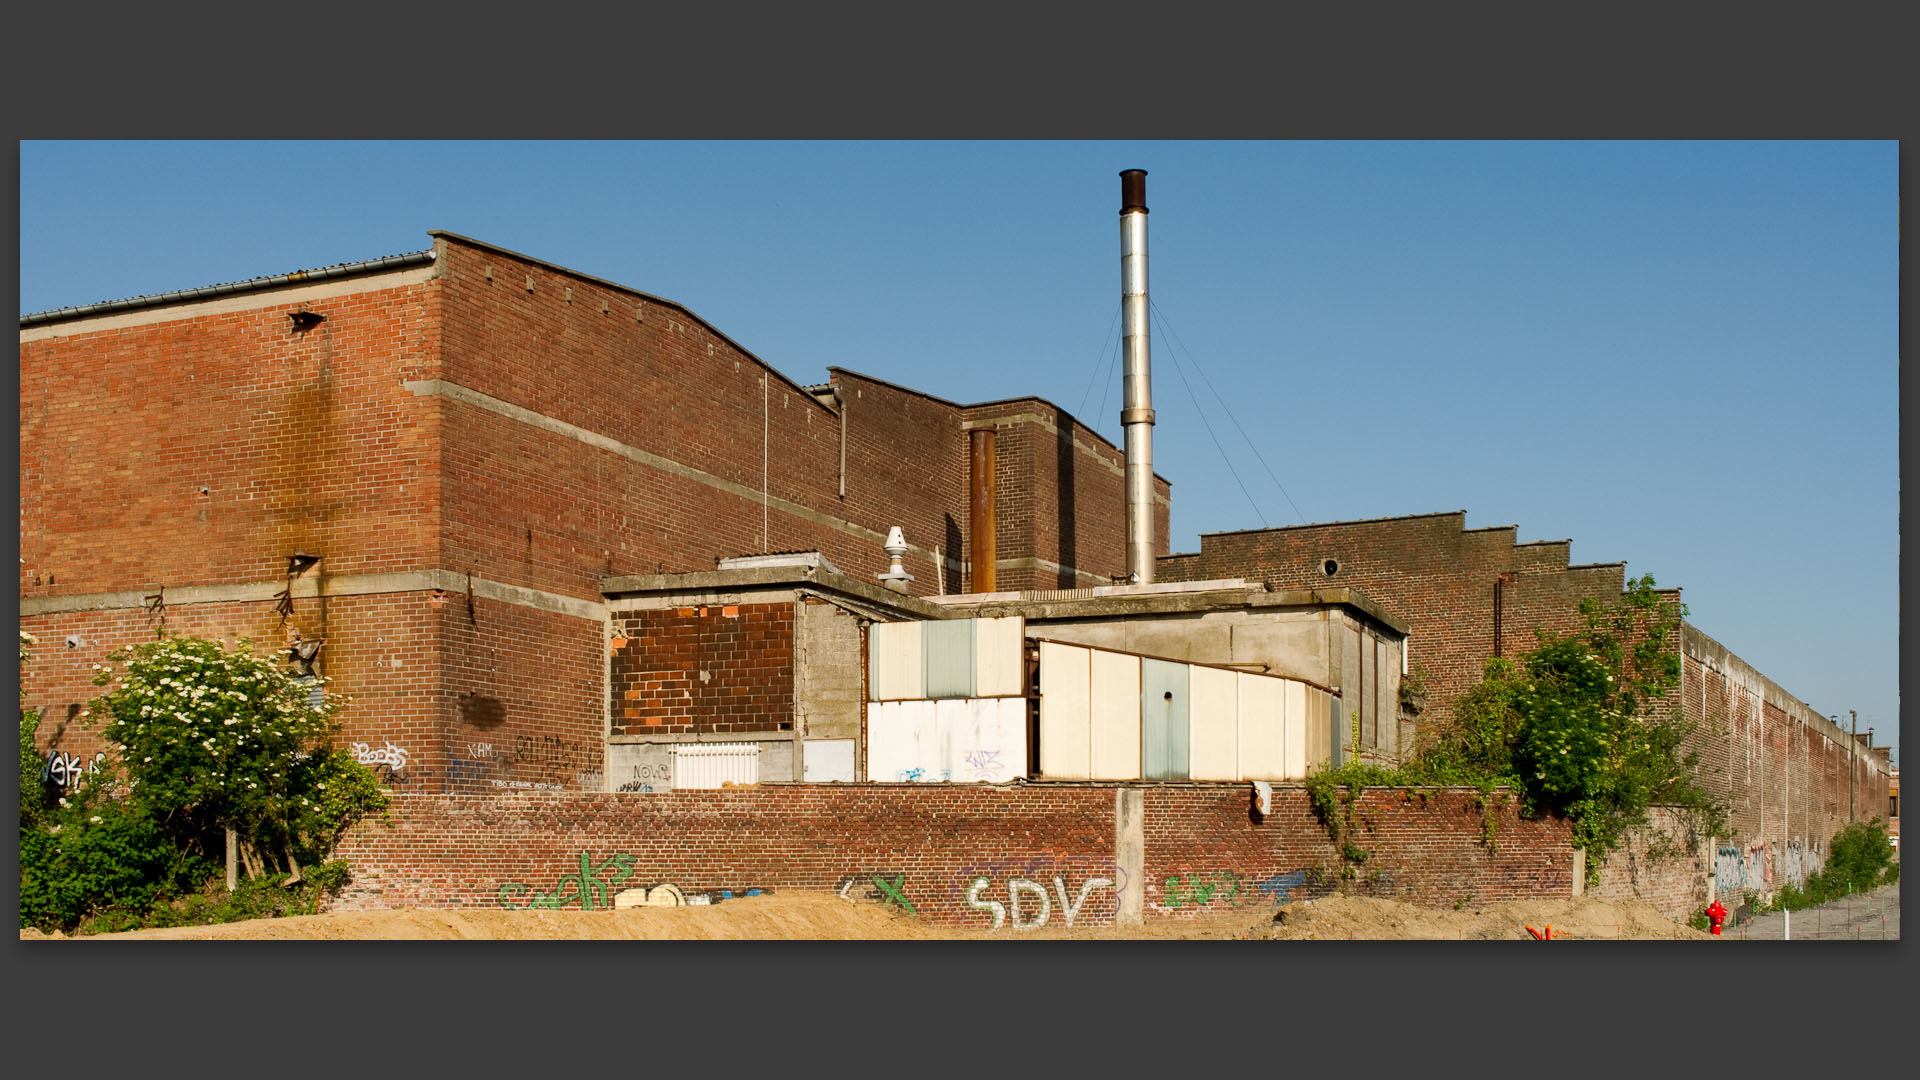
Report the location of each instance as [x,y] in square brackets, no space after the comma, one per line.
[711,765]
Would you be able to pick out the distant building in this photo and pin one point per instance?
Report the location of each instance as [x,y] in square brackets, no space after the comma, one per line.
[1467,595]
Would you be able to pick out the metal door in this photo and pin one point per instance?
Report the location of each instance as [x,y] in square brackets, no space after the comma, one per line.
[1163,720]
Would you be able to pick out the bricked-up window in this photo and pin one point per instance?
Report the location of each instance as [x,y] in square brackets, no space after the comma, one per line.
[704,668]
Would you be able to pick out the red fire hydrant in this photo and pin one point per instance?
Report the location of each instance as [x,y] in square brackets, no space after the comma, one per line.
[1716,915]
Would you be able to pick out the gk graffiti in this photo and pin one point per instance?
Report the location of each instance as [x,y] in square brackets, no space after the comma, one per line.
[591,887]
[66,771]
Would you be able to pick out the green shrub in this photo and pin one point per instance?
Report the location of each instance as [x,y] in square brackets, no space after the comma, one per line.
[207,738]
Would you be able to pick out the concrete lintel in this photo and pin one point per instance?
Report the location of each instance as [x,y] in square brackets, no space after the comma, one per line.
[1173,603]
[801,578]
[307,588]
[714,737]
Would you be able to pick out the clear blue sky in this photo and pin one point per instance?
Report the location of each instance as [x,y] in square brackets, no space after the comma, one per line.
[1679,355]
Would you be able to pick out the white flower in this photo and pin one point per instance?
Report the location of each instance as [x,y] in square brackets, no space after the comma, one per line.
[96,819]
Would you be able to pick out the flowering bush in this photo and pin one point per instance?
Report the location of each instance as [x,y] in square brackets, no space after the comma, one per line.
[206,738]
[215,738]
[1576,726]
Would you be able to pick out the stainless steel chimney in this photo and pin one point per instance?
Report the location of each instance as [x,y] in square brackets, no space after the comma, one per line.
[1136,406]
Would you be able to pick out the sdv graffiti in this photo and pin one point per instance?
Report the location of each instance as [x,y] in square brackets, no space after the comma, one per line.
[1017,887]
[66,771]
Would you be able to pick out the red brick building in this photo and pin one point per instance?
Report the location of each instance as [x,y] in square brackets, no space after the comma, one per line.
[1472,594]
[432,461]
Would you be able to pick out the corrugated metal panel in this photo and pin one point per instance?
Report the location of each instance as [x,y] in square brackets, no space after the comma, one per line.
[947,648]
[1319,729]
[1213,724]
[1263,732]
[998,667]
[710,765]
[1116,716]
[1164,701]
[827,760]
[1066,736]
[893,661]
[1295,718]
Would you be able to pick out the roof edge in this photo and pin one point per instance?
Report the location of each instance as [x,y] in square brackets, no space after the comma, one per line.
[206,292]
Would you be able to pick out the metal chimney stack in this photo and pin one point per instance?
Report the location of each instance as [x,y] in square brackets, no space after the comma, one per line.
[1136,406]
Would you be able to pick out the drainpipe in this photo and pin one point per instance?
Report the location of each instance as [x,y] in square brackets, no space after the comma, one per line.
[1136,411]
[980,446]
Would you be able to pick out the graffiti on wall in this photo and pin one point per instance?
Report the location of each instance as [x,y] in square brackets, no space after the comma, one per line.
[1199,890]
[592,886]
[1729,871]
[393,757]
[877,887]
[1799,862]
[483,750]
[65,771]
[650,776]
[1028,906]
[528,785]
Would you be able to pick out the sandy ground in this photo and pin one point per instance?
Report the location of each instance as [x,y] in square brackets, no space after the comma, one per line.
[818,916]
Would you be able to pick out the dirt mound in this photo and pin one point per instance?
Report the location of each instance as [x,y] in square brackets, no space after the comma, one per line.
[1586,918]
[801,916]
[786,917]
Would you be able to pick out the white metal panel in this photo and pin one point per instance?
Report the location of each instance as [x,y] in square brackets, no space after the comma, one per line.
[1116,715]
[894,661]
[1066,736]
[893,737]
[987,740]
[1262,728]
[710,765]
[1213,732]
[997,656]
[827,760]
[1296,725]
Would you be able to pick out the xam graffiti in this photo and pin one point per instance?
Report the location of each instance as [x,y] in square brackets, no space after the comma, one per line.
[1199,890]
[393,757]
[481,750]
[1027,916]
[65,771]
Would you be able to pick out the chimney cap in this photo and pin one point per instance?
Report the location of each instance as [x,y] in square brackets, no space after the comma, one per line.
[1133,190]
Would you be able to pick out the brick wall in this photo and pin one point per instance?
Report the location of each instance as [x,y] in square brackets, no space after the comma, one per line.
[490,415]
[1444,579]
[704,669]
[932,845]
[1664,864]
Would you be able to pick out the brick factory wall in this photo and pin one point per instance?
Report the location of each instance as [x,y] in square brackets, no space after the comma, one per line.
[204,449]
[706,669]
[1430,570]
[951,852]
[1782,767]
[1060,498]
[1665,864]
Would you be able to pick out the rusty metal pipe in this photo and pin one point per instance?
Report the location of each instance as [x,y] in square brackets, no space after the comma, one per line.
[980,520]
